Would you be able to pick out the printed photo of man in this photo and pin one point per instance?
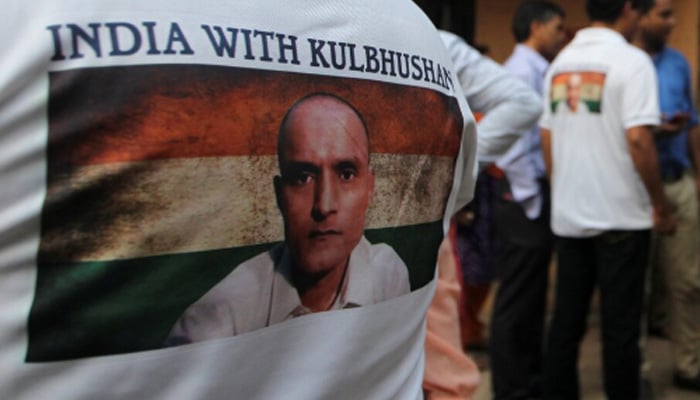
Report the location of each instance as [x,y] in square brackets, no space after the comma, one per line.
[573,102]
[323,191]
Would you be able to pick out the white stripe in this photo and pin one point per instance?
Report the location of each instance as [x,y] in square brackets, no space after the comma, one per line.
[186,205]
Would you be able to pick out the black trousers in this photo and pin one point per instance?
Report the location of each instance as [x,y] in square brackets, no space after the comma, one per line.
[518,317]
[615,262]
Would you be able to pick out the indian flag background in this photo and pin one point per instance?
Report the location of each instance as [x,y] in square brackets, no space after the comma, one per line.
[158,188]
[592,85]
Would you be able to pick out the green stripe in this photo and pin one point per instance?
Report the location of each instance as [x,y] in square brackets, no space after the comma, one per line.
[87,309]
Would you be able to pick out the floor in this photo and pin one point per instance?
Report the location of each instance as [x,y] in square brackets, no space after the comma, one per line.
[657,368]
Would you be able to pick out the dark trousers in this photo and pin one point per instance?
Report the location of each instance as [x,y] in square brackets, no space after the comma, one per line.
[615,261]
[517,321]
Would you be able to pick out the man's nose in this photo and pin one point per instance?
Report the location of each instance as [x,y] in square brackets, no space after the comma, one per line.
[325,196]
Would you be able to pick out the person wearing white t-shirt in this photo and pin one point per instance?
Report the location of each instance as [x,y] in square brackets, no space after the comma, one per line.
[137,151]
[607,194]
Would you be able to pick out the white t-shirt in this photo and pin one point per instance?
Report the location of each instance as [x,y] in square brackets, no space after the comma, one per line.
[595,186]
[137,156]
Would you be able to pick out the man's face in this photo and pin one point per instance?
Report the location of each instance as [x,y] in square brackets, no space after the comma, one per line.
[325,185]
[656,25]
[573,92]
[550,36]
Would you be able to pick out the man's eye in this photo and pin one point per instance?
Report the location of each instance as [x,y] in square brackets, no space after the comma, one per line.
[301,178]
[348,174]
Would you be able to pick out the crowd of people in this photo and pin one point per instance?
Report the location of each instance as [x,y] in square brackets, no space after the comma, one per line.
[314,200]
[606,181]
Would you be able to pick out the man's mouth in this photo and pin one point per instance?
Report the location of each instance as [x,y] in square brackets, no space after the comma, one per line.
[319,233]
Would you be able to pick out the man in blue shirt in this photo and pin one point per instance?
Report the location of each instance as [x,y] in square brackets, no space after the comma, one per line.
[521,220]
[677,257]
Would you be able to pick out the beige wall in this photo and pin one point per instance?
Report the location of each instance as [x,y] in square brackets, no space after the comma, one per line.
[686,36]
[493,26]
[493,23]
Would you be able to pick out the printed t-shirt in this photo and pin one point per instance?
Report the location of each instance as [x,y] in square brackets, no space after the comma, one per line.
[595,186]
[138,151]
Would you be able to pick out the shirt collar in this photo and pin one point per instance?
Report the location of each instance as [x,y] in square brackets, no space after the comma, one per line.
[531,57]
[285,302]
[597,34]
[356,288]
[659,55]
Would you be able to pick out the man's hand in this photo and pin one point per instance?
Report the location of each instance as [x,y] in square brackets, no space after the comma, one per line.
[672,125]
[665,221]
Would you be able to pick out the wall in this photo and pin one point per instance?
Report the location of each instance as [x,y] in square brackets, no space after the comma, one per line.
[493,18]
[686,35]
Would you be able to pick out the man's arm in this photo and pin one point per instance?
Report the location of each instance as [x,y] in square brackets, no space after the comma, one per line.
[509,107]
[546,140]
[449,373]
[507,121]
[641,147]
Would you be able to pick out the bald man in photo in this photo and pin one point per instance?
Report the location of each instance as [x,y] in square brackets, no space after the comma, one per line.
[323,190]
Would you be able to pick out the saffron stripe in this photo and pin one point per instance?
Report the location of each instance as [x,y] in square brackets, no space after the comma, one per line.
[185,111]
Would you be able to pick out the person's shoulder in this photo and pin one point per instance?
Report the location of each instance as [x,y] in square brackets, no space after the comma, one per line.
[675,55]
[380,256]
[389,17]
[561,107]
[251,274]
[630,54]
[449,38]
[389,273]
[383,257]
[513,62]
[517,58]
[461,53]
[630,59]
[232,306]
[671,52]
[519,66]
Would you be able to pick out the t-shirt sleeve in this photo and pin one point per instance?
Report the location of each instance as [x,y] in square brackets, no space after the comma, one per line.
[546,109]
[640,96]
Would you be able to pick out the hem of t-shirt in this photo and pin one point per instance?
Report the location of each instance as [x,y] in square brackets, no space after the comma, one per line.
[594,231]
[649,120]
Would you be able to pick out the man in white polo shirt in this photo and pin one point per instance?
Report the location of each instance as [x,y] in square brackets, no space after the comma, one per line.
[606,195]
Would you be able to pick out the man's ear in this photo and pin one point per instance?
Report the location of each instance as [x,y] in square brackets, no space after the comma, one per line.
[277,183]
[371,184]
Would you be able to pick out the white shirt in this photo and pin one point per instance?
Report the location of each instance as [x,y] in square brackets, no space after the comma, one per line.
[509,107]
[595,186]
[50,116]
[524,164]
[260,293]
